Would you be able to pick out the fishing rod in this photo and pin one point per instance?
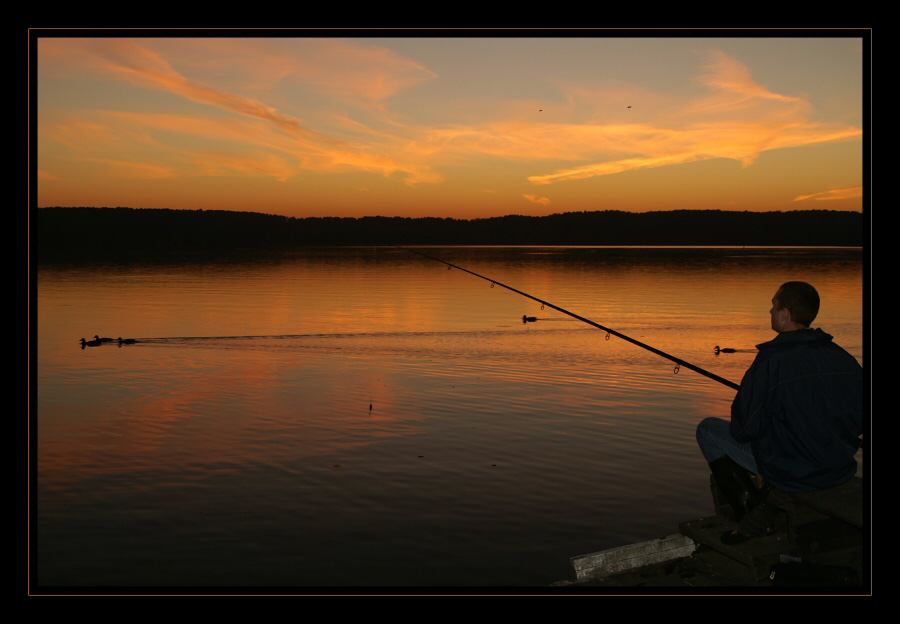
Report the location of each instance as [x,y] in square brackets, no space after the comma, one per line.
[678,361]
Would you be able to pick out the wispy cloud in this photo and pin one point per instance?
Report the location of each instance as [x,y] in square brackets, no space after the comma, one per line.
[846,193]
[356,72]
[138,170]
[733,118]
[538,200]
[734,89]
[738,119]
[277,109]
[608,168]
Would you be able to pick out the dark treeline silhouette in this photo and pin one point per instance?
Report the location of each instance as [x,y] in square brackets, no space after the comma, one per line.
[72,233]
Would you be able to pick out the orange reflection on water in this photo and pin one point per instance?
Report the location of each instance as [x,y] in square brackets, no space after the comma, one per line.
[293,354]
[211,410]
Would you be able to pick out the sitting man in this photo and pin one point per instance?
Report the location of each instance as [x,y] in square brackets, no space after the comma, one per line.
[796,419]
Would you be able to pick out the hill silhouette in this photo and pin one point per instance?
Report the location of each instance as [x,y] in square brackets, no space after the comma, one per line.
[84,232]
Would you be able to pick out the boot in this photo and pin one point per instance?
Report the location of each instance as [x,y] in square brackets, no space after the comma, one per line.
[736,486]
[754,516]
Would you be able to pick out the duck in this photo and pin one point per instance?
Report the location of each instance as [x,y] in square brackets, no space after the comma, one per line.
[126,340]
[528,319]
[98,338]
[89,343]
[724,350]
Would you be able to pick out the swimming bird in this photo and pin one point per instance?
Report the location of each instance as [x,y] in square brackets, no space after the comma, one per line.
[89,343]
[725,350]
[96,337]
[528,319]
[126,340]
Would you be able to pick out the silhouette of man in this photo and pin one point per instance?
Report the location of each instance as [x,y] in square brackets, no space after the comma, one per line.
[796,419]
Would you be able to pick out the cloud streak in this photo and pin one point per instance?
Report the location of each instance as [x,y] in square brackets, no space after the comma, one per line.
[739,120]
[537,200]
[136,63]
[835,194]
[283,109]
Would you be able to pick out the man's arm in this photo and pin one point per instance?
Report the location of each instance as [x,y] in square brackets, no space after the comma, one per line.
[748,408]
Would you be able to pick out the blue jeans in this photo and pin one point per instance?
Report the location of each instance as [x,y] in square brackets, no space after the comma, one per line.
[715,440]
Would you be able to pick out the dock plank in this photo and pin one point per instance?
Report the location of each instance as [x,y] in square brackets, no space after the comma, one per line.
[843,502]
[758,555]
[616,560]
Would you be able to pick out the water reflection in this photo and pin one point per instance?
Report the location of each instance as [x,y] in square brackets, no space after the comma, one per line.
[240,423]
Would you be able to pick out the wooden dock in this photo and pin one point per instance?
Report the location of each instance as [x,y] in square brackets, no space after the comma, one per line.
[820,541]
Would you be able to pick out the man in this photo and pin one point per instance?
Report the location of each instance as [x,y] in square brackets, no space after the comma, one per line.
[796,419]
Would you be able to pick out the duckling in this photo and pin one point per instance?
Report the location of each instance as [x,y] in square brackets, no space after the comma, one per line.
[98,338]
[126,340]
[528,319]
[725,350]
[89,343]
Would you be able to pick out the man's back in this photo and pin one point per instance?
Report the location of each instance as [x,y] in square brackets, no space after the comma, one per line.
[800,406]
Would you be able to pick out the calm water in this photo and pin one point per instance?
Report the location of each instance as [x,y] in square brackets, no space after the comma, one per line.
[234,444]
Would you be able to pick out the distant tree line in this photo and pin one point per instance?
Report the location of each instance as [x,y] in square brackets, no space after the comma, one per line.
[79,232]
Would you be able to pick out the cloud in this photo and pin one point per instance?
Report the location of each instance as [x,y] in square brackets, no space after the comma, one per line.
[338,67]
[347,69]
[135,62]
[608,168]
[246,147]
[734,118]
[352,70]
[267,107]
[218,164]
[734,89]
[847,193]
[138,170]
[738,120]
[538,200]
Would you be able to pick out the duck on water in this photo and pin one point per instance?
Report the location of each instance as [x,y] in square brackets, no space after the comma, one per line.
[97,341]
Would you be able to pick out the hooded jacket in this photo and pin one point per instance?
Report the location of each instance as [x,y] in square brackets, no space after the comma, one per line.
[800,406]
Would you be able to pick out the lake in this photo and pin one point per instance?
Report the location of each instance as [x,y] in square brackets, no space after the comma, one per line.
[369,418]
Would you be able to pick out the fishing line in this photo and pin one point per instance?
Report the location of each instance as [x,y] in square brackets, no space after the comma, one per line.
[678,361]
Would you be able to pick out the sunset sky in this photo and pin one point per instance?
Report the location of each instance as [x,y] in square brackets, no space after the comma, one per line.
[450,126]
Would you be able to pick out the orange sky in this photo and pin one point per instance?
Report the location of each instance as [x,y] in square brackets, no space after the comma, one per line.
[459,127]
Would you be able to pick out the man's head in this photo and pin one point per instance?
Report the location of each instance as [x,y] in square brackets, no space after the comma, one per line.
[794,306]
